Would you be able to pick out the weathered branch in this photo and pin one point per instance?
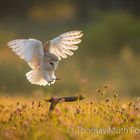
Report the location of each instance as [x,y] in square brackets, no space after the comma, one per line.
[54,101]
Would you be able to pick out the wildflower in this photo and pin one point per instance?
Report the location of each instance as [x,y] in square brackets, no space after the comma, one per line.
[18,111]
[58,111]
[67,109]
[25,123]
[17,103]
[8,134]
[77,111]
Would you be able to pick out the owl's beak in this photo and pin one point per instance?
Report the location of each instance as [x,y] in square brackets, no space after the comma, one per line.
[58,78]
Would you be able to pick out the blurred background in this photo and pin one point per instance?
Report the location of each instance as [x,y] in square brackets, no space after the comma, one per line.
[109,52]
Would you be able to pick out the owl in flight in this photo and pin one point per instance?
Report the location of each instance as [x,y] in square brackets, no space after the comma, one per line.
[44,59]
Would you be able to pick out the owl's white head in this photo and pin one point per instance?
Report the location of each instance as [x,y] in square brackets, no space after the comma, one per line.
[51,61]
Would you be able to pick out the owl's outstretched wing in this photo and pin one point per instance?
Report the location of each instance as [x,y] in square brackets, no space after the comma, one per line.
[28,49]
[62,45]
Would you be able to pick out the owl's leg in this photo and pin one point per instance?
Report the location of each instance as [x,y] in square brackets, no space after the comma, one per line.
[53,81]
[49,83]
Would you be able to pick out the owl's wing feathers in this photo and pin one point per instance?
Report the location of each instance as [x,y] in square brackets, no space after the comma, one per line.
[28,49]
[36,77]
[41,78]
[62,45]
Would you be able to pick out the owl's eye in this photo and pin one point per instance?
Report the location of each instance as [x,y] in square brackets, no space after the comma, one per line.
[51,63]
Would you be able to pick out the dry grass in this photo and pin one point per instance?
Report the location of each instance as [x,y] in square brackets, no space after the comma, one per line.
[100,118]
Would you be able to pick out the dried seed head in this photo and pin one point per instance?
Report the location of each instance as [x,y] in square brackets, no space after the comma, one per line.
[98,90]
[77,111]
[132,120]
[107,100]
[138,99]
[33,102]
[137,108]
[130,104]
[10,119]
[91,102]
[39,104]
[106,86]
[24,106]
[115,95]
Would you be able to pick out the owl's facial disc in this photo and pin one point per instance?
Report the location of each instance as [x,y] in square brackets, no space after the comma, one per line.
[51,57]
[52,65]
[51,60]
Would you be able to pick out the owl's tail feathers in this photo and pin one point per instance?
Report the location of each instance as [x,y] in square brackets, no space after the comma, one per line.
[36,77]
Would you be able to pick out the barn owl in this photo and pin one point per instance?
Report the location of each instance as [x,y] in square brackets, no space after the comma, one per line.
[44,59]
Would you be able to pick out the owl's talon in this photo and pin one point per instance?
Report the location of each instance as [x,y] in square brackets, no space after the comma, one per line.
[50,82]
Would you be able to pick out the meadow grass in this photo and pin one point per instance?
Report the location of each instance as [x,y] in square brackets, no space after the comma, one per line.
[97,118]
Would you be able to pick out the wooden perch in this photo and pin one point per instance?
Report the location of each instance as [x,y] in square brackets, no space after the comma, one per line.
[54,101]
